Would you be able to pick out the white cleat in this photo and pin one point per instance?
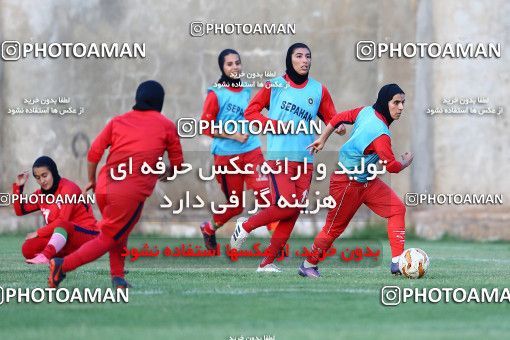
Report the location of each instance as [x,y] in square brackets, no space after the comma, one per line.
[269,268]
[240,235]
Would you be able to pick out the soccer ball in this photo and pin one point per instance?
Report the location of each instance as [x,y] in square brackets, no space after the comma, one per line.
[413,263]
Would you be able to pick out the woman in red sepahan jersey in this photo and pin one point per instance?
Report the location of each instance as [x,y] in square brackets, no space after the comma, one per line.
[69,222]
[138,136]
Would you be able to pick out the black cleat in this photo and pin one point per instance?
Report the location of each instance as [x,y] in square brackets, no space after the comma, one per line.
[120,283]
[395,270]
[56,274]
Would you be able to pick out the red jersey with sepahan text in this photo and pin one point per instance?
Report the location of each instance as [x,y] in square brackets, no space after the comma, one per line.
[62,210]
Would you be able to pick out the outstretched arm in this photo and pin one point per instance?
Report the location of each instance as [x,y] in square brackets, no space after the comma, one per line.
[319,143]
[335,123]
[99,145]
[327,111]
[91,170]
[382,147]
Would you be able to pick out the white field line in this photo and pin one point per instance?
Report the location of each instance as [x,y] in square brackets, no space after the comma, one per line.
[246,291]
[503,261]
[133,291]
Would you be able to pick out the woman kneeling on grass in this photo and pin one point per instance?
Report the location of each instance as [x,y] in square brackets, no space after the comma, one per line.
[68,225]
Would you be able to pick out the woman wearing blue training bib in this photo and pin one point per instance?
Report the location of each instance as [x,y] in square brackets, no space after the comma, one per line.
[294,98]
[225,102]
[368,144]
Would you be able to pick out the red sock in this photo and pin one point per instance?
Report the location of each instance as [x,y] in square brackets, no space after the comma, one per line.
[88,252]
[49,251]
[279,239]
[221,219]
[397,234]
[208,229]
[266,216]
[117,261]
[321,244]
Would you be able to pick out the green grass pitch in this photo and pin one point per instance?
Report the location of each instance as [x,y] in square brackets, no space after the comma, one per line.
[180,301]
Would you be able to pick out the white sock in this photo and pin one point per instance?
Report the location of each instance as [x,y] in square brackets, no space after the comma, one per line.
[58,241]
[395,259]
[307,264]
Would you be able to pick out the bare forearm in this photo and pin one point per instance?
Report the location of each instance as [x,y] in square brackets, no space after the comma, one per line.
[327,132]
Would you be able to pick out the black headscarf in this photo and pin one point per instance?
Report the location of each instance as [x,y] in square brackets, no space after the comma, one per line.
[149,96]
[385,95]
[45,161]
[225,79]
[291,72]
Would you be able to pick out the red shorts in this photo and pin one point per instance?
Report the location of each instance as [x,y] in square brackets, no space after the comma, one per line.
[256,181]
[233,184]
[120,214]
[282,185]
[350,195]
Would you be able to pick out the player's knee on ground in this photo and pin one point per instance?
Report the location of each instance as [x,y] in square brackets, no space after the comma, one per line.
[67,226]
[28,249]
